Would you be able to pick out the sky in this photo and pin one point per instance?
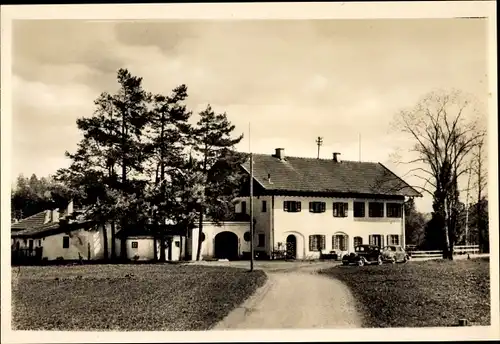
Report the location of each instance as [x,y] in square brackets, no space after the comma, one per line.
[289,80]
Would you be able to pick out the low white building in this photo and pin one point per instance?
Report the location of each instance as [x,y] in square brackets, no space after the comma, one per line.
[54,234]
[310,206]
[141,244]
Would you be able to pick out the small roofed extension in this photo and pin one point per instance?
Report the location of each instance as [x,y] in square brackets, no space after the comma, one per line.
[309,206]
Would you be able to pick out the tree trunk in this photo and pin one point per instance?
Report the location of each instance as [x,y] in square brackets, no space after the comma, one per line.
[113,240]
[105,241]
[180,248]
[200,231]
[155,248]
[123,239]
[446,249]
[163,246]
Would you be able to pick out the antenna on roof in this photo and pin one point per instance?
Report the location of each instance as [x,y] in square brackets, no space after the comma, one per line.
[359,143]
[319,142]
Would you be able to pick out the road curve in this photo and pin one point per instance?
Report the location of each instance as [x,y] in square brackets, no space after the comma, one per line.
[296,300]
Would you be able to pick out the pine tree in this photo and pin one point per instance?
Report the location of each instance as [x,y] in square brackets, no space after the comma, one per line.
[213,143]
[168,130]
[107,166]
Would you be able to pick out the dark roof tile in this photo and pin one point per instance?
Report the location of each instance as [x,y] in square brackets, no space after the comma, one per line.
[325,175]
[32,221]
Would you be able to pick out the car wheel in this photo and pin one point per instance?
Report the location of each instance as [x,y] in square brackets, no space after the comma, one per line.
[361,262]
[379,260]
[406,259]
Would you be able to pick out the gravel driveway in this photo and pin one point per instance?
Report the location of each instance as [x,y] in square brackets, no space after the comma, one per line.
[295,298]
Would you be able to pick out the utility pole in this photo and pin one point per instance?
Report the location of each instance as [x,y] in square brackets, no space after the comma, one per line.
[319,142]
[467,207]
[359,144]
[251,212]
[251,201]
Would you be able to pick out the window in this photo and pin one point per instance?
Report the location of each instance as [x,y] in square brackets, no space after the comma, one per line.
[264,206]
[358,241]
[393,240]
[316,242]
[359,209]
[376,209]
[292,206]
[30,244]
[394,210]
[202,237]
[340,209]
[339,242]
[66,242]
[360,249]
[39,242]
[377,240]
[317,207]
[243,207]
[246,236]
[177,244]
[262,240]
[135,244]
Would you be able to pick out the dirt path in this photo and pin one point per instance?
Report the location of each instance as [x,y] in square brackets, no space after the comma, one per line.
[296,299]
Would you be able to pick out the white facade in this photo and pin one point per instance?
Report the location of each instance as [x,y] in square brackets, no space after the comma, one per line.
[141,248]
[277,225]
[85,244]
[213,233]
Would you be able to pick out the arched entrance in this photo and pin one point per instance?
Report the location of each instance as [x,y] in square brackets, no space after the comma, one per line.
[291,246]
[226,246]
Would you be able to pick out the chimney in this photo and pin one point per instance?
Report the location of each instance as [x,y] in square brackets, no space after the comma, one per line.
[48,216]
[55,215]
[335,159]
[269,178]
[280,153]
[69,209]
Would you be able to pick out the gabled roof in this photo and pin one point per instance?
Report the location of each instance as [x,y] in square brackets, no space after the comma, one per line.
[326,176]
[36,220]
[149,230]
[51,228]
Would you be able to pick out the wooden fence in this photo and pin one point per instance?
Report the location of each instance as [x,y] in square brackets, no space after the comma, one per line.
[461,249]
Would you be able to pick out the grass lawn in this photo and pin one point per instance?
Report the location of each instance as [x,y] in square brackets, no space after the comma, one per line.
[154,297]
[420,294]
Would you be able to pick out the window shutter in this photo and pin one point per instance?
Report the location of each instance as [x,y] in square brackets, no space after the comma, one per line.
[285,205]
[381,241]
[346,209]
[311,238]
[370,239]
[311,208]
[299,205]
[322,243]
[323,207]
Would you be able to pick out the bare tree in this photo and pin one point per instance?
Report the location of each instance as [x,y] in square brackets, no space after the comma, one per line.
[479,161]
[444,128]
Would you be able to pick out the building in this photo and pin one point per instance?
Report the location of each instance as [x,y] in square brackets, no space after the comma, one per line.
[66,235]
[312,206]
[140,243]
[58,235]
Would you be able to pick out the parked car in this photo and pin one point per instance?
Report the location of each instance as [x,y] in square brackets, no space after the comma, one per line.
[363,254]
[394,254]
